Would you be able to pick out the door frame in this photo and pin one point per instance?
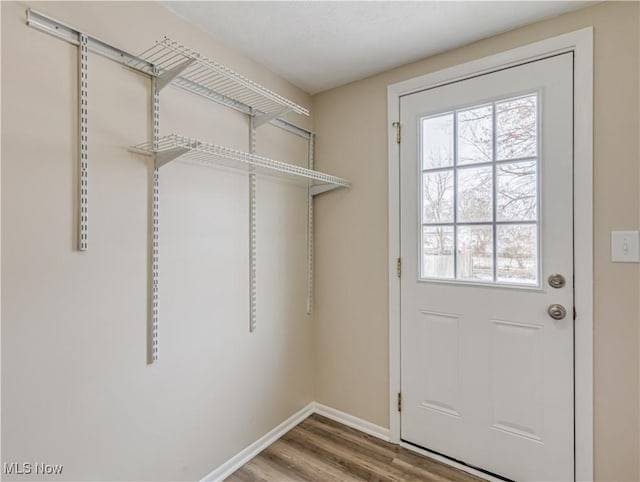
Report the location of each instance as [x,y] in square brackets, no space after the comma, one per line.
[581,43]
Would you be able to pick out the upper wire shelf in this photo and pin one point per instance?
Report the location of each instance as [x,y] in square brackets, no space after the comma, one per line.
[175,146]
[194,72]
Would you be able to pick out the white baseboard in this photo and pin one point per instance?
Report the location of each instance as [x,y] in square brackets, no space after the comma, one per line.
[242,457]
[351,421]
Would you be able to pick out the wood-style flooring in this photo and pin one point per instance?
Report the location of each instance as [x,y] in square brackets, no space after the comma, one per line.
[320,449]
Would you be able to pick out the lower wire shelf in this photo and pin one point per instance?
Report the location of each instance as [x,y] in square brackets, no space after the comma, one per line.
[174,146]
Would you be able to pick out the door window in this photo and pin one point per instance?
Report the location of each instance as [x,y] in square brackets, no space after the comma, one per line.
[479,193]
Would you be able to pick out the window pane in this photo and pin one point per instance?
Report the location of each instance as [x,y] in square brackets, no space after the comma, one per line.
[518,253]
[475,253]
[517,191]
[475,135]
[475,194]
[437,141]
[437,203]
[437,252]
[516,125]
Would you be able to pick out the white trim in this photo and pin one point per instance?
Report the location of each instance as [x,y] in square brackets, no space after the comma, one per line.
[450,463]
[583,253]
[352,421]
[242,457]
[581,43]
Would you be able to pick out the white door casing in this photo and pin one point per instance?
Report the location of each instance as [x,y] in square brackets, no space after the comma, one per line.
[486,373]
[581,43]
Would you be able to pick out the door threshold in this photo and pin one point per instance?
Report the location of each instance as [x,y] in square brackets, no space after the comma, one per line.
[458,464]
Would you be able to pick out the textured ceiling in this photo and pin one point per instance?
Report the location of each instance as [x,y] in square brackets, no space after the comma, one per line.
[324,44]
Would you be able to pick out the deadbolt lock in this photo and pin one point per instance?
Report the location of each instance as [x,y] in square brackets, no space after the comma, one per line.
[557,280]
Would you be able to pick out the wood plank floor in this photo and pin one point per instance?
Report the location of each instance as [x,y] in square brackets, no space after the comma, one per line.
[320,449]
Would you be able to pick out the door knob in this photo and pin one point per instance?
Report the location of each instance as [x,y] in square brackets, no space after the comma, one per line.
[557,312]
[557,280]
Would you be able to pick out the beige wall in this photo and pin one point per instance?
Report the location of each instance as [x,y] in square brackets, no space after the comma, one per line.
[351,323]
[76,389]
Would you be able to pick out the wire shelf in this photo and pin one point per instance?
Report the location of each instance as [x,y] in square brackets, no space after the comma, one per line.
[195,150]
[208,78]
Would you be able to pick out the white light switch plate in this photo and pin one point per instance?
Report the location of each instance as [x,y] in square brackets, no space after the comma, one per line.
[625,246]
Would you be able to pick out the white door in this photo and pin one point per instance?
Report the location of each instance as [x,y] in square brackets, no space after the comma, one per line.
[486,220]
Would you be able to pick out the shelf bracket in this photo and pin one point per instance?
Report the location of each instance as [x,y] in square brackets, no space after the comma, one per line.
[164,157]
[261,119]
[167,76]
[322,188]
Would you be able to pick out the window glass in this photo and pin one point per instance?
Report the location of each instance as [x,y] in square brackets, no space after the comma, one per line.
[479,193]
